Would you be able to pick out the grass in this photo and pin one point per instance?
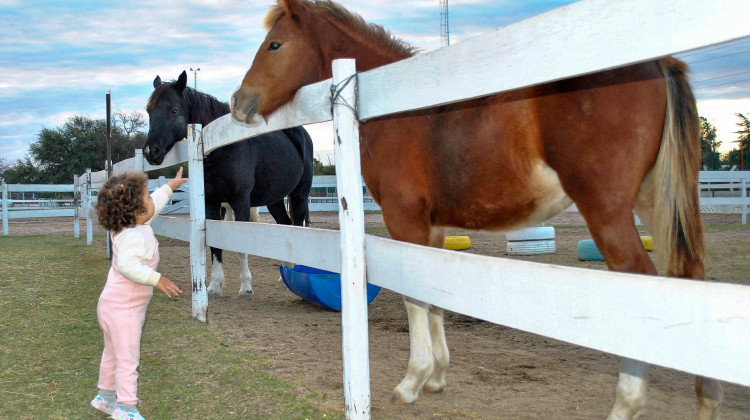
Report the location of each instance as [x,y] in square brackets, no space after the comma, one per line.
[50,347]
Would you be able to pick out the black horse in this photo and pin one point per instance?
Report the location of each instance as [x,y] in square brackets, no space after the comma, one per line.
[260,171]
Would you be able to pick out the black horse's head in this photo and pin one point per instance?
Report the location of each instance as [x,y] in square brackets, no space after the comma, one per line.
[167,118]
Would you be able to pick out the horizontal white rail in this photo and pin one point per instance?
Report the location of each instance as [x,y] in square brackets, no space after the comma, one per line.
[310,105]
[40,188]
[670,322]
[584,37]
[278,241]
[172,227]
[53,212]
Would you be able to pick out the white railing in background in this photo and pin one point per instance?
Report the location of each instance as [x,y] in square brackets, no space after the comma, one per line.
[38,208]
[655,320]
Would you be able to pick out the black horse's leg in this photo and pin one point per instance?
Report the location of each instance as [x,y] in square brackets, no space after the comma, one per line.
[279,214]
[278,211]
[242,214]
[213,212]
[298,209]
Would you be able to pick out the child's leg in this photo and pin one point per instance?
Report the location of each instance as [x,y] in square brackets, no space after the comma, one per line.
[107,366]
[127,350]
[122,351]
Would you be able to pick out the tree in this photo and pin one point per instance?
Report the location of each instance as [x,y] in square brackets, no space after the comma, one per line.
[740,156]
[22,172]
[320,169]
[710,159]
[80,143]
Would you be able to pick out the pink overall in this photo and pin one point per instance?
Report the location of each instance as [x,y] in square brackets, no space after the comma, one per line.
[122,312]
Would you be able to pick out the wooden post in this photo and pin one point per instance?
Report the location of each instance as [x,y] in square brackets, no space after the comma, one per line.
[5,207]
[197,227]
[89,210]
[351,219]
[76,206]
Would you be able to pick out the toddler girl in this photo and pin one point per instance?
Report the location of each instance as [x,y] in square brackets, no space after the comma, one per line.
[126,209]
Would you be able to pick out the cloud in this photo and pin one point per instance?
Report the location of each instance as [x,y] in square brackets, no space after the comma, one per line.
[61,58]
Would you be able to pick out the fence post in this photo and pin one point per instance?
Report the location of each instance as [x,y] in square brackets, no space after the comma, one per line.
[5,207]
[351,220]
[197,227]
[743,194]
[139,164]
[89,210]
[76,205]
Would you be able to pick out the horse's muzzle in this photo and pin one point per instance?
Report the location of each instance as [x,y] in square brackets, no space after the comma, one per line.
[244,107]
[153,155]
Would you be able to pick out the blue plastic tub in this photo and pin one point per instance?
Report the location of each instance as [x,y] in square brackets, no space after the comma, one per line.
[320,287]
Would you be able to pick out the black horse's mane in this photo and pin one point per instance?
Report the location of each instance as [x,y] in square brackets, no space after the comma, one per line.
[200,106]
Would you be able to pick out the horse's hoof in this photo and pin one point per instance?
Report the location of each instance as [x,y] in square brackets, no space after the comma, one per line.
[431,389]
[398,399]
[248,295]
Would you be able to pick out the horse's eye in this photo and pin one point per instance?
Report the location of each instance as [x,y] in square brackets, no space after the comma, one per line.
[174,110]
[273,46]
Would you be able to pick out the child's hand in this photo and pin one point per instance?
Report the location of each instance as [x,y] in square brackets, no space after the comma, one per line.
[168,287]
[177,181]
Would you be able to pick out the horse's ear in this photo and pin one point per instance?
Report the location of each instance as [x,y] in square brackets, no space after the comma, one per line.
[292,8]
[157,81]
[181,82]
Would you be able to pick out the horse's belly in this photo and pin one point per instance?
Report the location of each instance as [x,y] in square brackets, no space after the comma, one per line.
[525,201]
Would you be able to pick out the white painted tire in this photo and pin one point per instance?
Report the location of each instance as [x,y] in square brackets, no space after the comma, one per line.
[457,242]
[531,234]
[546,246]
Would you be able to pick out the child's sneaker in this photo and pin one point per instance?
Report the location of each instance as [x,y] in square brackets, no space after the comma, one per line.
[103,405]
[120,414]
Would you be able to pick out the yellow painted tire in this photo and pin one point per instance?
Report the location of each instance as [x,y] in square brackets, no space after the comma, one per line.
[648,243]
[457,242]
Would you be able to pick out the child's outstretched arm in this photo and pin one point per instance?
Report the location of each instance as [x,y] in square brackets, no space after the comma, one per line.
[177,181]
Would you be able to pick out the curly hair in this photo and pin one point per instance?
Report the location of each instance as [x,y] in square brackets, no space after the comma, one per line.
[120,200]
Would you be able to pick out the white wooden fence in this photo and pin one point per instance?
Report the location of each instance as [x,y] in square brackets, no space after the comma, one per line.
[28,208]
[669,322]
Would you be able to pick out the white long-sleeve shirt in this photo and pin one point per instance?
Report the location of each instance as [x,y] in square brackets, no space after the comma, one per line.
[135,249]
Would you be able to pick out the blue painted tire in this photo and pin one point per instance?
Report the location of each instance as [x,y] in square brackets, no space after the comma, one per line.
[319,287]
[587,251]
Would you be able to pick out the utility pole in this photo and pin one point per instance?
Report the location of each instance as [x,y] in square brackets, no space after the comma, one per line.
[445,38]
[195,77]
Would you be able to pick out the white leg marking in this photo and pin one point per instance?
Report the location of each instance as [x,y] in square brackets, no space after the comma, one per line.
[710,396]
[436,382]
[630,397]
[421,359]
[246,279]
[217,279]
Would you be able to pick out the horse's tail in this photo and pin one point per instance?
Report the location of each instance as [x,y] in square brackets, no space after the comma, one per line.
[677,227]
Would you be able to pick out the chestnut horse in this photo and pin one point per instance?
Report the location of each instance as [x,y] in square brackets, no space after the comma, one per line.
[613,142]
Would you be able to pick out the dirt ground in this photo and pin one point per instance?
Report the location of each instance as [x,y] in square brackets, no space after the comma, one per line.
[495,373]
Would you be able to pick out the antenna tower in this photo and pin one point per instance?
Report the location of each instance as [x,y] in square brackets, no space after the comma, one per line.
[445,38]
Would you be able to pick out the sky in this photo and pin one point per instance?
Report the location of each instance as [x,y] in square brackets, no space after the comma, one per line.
[60,58]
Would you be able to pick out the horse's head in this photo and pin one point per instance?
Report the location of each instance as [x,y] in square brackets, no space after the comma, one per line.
[167,118]
[286,60]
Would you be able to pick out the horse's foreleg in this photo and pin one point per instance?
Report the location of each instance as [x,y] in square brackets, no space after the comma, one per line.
[217,274]
[710,396]
[246,278]
[436,382]
[630,396]
[421,360]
